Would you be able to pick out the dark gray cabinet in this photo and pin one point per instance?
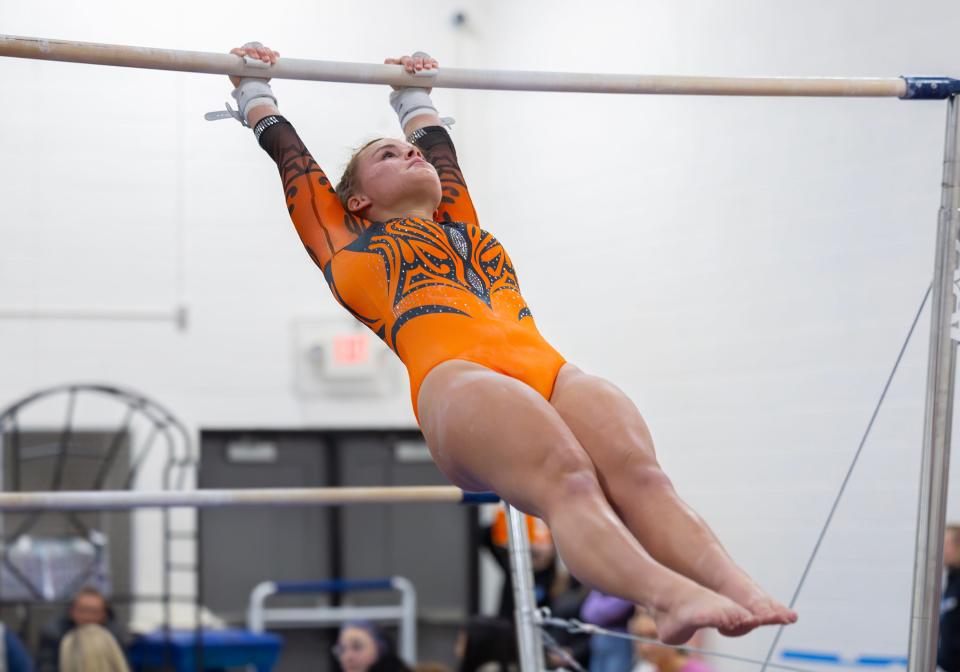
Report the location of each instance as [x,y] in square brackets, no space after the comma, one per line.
[433,545]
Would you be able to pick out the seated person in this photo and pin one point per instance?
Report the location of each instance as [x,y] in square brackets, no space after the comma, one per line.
[487,645]
[362,646]
[608,654]
[549,576]
[14,652]
[91,648]
[656,657]
[88,606]
[553,587]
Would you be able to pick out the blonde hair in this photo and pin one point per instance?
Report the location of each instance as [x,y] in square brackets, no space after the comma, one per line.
[91,648]
[349,181]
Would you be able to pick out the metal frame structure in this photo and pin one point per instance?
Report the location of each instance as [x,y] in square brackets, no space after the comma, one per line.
[165,434]
[938,415]
[942,354]
[529,639]
[404,614]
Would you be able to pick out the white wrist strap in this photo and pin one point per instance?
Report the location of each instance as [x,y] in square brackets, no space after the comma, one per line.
[250,93]
[411,102]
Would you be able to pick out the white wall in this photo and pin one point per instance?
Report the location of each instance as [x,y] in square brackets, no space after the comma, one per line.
[745,269]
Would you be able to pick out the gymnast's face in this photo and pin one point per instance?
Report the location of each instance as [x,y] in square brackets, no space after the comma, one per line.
[356,650]
[394,178]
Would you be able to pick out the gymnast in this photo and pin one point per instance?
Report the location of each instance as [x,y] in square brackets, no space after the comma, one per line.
[401,249]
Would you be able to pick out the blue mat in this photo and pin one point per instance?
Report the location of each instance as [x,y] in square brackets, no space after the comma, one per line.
[221,649]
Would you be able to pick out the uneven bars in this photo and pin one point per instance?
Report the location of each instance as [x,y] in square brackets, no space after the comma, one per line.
[463,78]
[102,500]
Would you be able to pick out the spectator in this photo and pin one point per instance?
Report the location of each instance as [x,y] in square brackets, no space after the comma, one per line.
[487,645]
[554,588]
[550,579]
[91,648]
[948,651]
[88,606]
[656,657]
[432,666]
[608,654]
[14,652]
[362,646]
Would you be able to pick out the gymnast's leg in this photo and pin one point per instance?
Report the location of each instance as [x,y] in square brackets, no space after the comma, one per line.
[487,430]
[612,431]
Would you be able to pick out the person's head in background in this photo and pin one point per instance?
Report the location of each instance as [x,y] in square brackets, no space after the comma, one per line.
[91,648]
[359,645]
[542,551]
[89,606]
[664,658]
[362,646]
[951,547]
[488,644]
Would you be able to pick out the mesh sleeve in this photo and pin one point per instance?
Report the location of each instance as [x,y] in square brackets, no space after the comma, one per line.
[322,223]
[455,204]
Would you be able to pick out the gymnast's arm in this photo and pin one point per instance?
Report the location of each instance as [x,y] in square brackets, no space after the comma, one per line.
[321,221]
[423,127]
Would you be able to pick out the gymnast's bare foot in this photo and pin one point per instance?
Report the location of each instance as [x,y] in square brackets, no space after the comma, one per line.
[695,608]
[765,609]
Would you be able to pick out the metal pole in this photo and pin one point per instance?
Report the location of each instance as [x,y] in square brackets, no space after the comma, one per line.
[178,315]
[935,464]
[529,644]
[464,78]
[408,621]
[103,500]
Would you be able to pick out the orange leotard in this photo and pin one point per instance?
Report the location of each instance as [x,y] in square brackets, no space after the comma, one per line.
[433,290]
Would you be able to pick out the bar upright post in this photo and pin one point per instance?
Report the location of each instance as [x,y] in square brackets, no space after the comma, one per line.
[529,642]
[935,463]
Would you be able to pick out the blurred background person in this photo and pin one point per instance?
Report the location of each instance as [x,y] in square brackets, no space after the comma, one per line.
[948,650]
[554,587]
[88,607]
[432,666]
[487,645]
[14,653]
[549,577]
[650,657]
[91,648]
[608,654]
[362,646]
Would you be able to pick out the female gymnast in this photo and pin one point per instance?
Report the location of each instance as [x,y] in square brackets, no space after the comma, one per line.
[400,246]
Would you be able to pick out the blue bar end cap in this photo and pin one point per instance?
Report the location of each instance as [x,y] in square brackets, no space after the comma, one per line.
[480,498]
[930,88]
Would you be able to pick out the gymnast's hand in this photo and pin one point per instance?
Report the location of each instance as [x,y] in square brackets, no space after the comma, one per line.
[419,62]
[254,96]
[258,51]
[412,103]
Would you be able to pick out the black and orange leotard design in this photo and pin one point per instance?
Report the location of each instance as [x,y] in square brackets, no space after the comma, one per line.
[433,290]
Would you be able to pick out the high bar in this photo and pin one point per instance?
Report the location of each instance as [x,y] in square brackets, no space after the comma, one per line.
[464,78]
[103,500]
